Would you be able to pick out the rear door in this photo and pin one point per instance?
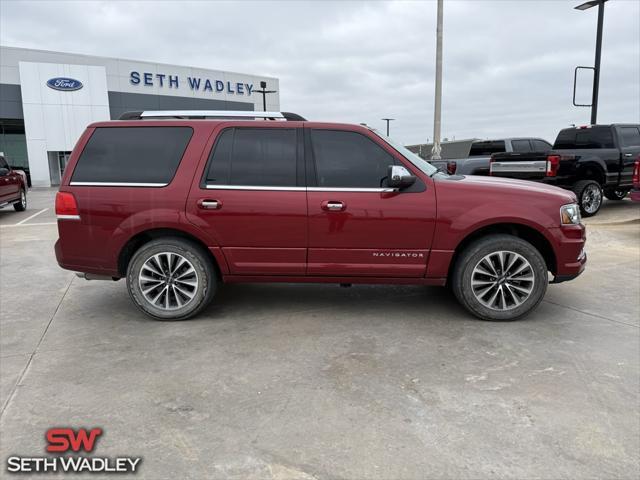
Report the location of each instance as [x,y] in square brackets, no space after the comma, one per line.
[251,198]
[598,142]
[357,227]
[629,139]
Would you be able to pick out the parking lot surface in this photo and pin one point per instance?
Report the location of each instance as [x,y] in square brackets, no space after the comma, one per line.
[322,382]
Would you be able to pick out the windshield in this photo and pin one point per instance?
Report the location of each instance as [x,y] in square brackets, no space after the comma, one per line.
[418,162]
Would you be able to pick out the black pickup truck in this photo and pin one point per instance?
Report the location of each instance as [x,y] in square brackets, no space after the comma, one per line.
[592,161]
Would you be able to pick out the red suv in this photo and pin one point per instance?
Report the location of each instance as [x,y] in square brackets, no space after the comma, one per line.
[178,202]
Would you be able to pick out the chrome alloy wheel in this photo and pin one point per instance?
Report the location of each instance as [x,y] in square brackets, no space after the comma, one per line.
[23,199]
[591,198]
[168,281]
[502,280]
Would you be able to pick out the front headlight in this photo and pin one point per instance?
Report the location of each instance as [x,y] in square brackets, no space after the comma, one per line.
[570,214]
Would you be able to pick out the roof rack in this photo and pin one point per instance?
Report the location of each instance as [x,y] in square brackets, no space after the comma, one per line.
[200,114]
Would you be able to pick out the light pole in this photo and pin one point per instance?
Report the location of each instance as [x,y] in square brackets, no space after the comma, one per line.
[596,68]
[435,151]
[388,120]
[263,90]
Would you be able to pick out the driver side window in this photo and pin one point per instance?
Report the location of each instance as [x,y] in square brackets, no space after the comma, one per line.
[4,167]
[349,160]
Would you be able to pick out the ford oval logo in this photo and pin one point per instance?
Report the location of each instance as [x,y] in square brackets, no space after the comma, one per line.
[63,83]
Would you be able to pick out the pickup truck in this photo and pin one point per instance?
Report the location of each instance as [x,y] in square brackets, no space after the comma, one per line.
[592,161]
[13,187]
[477,161]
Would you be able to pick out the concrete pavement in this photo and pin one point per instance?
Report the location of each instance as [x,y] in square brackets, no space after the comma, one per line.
[321,382]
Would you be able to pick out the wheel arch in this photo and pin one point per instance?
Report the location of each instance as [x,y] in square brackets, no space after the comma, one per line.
[592,169]
[146,236]
[525,232]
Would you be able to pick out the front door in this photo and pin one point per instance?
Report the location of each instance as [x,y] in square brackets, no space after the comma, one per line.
[357,227]
[252,200]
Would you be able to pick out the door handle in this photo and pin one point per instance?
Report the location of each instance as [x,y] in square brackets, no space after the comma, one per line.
[208,204]
[333,206]
[627,155]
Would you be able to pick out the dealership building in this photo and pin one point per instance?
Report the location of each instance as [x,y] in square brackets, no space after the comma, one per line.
[48,98]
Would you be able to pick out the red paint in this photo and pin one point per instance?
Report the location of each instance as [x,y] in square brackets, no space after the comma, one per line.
[635,192]
[10,185]
[65,439]
[256,235]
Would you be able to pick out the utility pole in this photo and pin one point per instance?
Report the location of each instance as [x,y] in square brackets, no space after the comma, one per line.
[263,90]
[388,120]
[596,67]
[437,111]
[596,73]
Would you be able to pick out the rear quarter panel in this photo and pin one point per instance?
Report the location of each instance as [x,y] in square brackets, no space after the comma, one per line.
[110,216]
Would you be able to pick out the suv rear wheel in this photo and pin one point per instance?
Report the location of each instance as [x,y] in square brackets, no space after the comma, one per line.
[589,193]
[500,278]
[171,279]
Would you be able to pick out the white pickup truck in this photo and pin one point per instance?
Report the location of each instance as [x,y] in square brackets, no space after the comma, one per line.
[478,160]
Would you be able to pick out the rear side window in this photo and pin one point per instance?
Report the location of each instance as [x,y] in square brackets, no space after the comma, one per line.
[147,155]
[585,138]
[630,136]
[254,157]
[540,146]
[484,149]
[349,160]
[521,146]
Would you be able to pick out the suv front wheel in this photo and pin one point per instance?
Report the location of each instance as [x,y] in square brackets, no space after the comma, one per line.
[500,278]
[171,279]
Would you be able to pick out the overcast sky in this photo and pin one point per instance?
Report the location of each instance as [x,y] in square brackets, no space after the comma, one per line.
[508,65]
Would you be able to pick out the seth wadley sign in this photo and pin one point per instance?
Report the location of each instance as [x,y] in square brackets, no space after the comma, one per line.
[195,83]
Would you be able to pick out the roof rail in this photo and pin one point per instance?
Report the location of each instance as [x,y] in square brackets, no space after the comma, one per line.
[197,114]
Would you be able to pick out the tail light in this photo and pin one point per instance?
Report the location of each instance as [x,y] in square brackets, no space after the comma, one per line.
[451,168]
[66,206]
[553,164]
[636,172]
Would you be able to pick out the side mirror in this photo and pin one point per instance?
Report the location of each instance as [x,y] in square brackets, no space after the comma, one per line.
[399,177]
[3,171]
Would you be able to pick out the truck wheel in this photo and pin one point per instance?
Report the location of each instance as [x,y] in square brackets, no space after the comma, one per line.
[21,205]
[500,278]
[616,194]
[589,195]
[171,279]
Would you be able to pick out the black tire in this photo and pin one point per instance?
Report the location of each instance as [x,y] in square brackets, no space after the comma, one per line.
[589,193]
[473,256]
[616,193]
[170,247]
[21,205]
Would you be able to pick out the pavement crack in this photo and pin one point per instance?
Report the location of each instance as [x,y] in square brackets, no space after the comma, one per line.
[35,350]
[592,314]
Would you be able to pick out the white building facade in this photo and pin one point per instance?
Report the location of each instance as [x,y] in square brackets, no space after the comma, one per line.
[48,98]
